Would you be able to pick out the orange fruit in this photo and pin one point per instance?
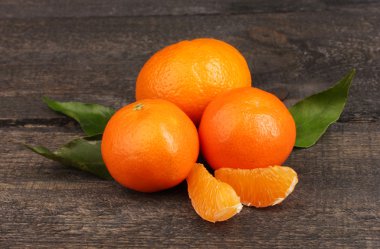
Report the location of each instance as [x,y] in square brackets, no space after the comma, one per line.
[261,187]
[191,73]
[150,145]
[246,128]
[212,199]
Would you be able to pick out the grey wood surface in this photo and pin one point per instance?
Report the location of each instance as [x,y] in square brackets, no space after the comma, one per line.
[92,51]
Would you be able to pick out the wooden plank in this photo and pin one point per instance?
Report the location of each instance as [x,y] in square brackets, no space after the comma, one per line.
[98,59]
[75,8]
[335,204]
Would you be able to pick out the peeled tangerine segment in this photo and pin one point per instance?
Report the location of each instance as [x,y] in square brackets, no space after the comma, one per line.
[260,187]
[212,199]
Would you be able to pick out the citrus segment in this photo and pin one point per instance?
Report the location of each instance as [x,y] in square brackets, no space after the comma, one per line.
[212,199]
[261,187]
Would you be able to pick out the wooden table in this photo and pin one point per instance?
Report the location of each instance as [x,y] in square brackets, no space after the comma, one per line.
[92,51]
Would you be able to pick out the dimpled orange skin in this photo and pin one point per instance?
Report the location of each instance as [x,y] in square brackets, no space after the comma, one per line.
[246,128]
[150,145]
[191,73]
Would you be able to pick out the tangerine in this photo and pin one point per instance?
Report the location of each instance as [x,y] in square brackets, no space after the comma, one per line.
[191,73]
[150,145]
[246,128]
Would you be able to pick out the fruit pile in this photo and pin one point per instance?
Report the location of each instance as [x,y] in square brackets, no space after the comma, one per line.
[196,96]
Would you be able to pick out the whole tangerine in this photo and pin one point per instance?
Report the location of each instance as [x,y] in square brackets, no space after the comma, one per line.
[246,128]
[191,73]
[150,145]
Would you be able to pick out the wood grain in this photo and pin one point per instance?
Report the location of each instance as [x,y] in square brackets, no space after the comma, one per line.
[335,204]
[98,59]
[99,8]
[92,51]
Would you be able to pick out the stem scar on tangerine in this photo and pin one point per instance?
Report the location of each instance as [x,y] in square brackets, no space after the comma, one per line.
[138,107]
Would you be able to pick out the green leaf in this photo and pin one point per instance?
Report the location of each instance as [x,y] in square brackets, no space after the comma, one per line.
[92,118]
[316,113]
[81,153]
